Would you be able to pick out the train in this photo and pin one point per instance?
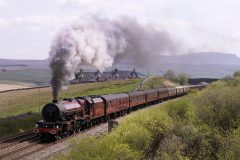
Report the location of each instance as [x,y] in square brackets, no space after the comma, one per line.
[68,116]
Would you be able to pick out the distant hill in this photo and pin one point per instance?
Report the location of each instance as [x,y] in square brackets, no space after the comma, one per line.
[201,64]
[197,65]
[202,58]
[24,63]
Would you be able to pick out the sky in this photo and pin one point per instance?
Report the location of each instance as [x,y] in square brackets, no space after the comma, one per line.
[28,27]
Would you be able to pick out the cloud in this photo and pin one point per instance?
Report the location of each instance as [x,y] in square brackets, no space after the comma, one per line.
[77,3]
[36,23]
[3,3]
[3,23]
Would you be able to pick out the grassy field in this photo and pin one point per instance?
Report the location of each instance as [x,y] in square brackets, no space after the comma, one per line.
[202,125]
[27,75]
[18,102]
[18,124]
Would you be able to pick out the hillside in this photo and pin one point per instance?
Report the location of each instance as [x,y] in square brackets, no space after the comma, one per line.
[204,64]
[196,65]
[201,58]
[24,63]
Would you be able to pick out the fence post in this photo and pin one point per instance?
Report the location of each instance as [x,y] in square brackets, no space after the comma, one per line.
[112,124]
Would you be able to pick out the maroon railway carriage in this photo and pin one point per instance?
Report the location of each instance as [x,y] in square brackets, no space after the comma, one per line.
[115,103]
[163,93]
[172,92]
[152,95]
[179,90]
[198,86]
[186,89]
[137,98]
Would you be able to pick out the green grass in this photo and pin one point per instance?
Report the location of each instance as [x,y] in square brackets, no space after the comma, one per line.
[13,125]
[26,75]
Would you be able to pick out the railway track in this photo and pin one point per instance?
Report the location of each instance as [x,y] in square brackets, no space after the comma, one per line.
[8,142]
[11,152]
[12,145]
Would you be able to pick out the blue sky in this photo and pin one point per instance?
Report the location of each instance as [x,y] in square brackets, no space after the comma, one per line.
[28,27]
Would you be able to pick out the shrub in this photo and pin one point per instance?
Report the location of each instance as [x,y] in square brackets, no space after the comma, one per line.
[219,107]
[15,125]
[230,148]
[180,110]
[236,74]
[136,136]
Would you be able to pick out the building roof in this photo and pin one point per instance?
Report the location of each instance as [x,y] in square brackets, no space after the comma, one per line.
[104,76]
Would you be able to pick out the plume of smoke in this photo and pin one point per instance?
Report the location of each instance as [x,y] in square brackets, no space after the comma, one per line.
[145,41]
[100,42]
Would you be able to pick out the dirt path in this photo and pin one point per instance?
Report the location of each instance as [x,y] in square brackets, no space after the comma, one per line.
[142,83]
[4,87]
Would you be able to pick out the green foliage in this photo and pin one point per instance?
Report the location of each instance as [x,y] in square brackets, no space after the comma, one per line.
[230,148]
[12,125]
[219,107]
[236,74]
[156,82]
[181,78]
[170,74]
[228,77]
[180,110]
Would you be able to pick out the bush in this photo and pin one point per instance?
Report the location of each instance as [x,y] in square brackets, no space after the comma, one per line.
[219,107]
[236,74]
[182,78]
[170,74]
[230,148]
[18,124]
[180,110]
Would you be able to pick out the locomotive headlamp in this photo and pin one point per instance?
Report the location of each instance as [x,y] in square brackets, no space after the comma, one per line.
[36,125]
[57,127]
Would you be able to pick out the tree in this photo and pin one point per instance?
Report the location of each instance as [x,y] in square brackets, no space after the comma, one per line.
[170,74]
[227,77]
[182,79]
[236,74]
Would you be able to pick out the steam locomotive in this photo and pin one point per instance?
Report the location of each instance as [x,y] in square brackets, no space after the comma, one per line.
[68,116]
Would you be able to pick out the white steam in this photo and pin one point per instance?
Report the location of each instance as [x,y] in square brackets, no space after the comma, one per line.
[99,42]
